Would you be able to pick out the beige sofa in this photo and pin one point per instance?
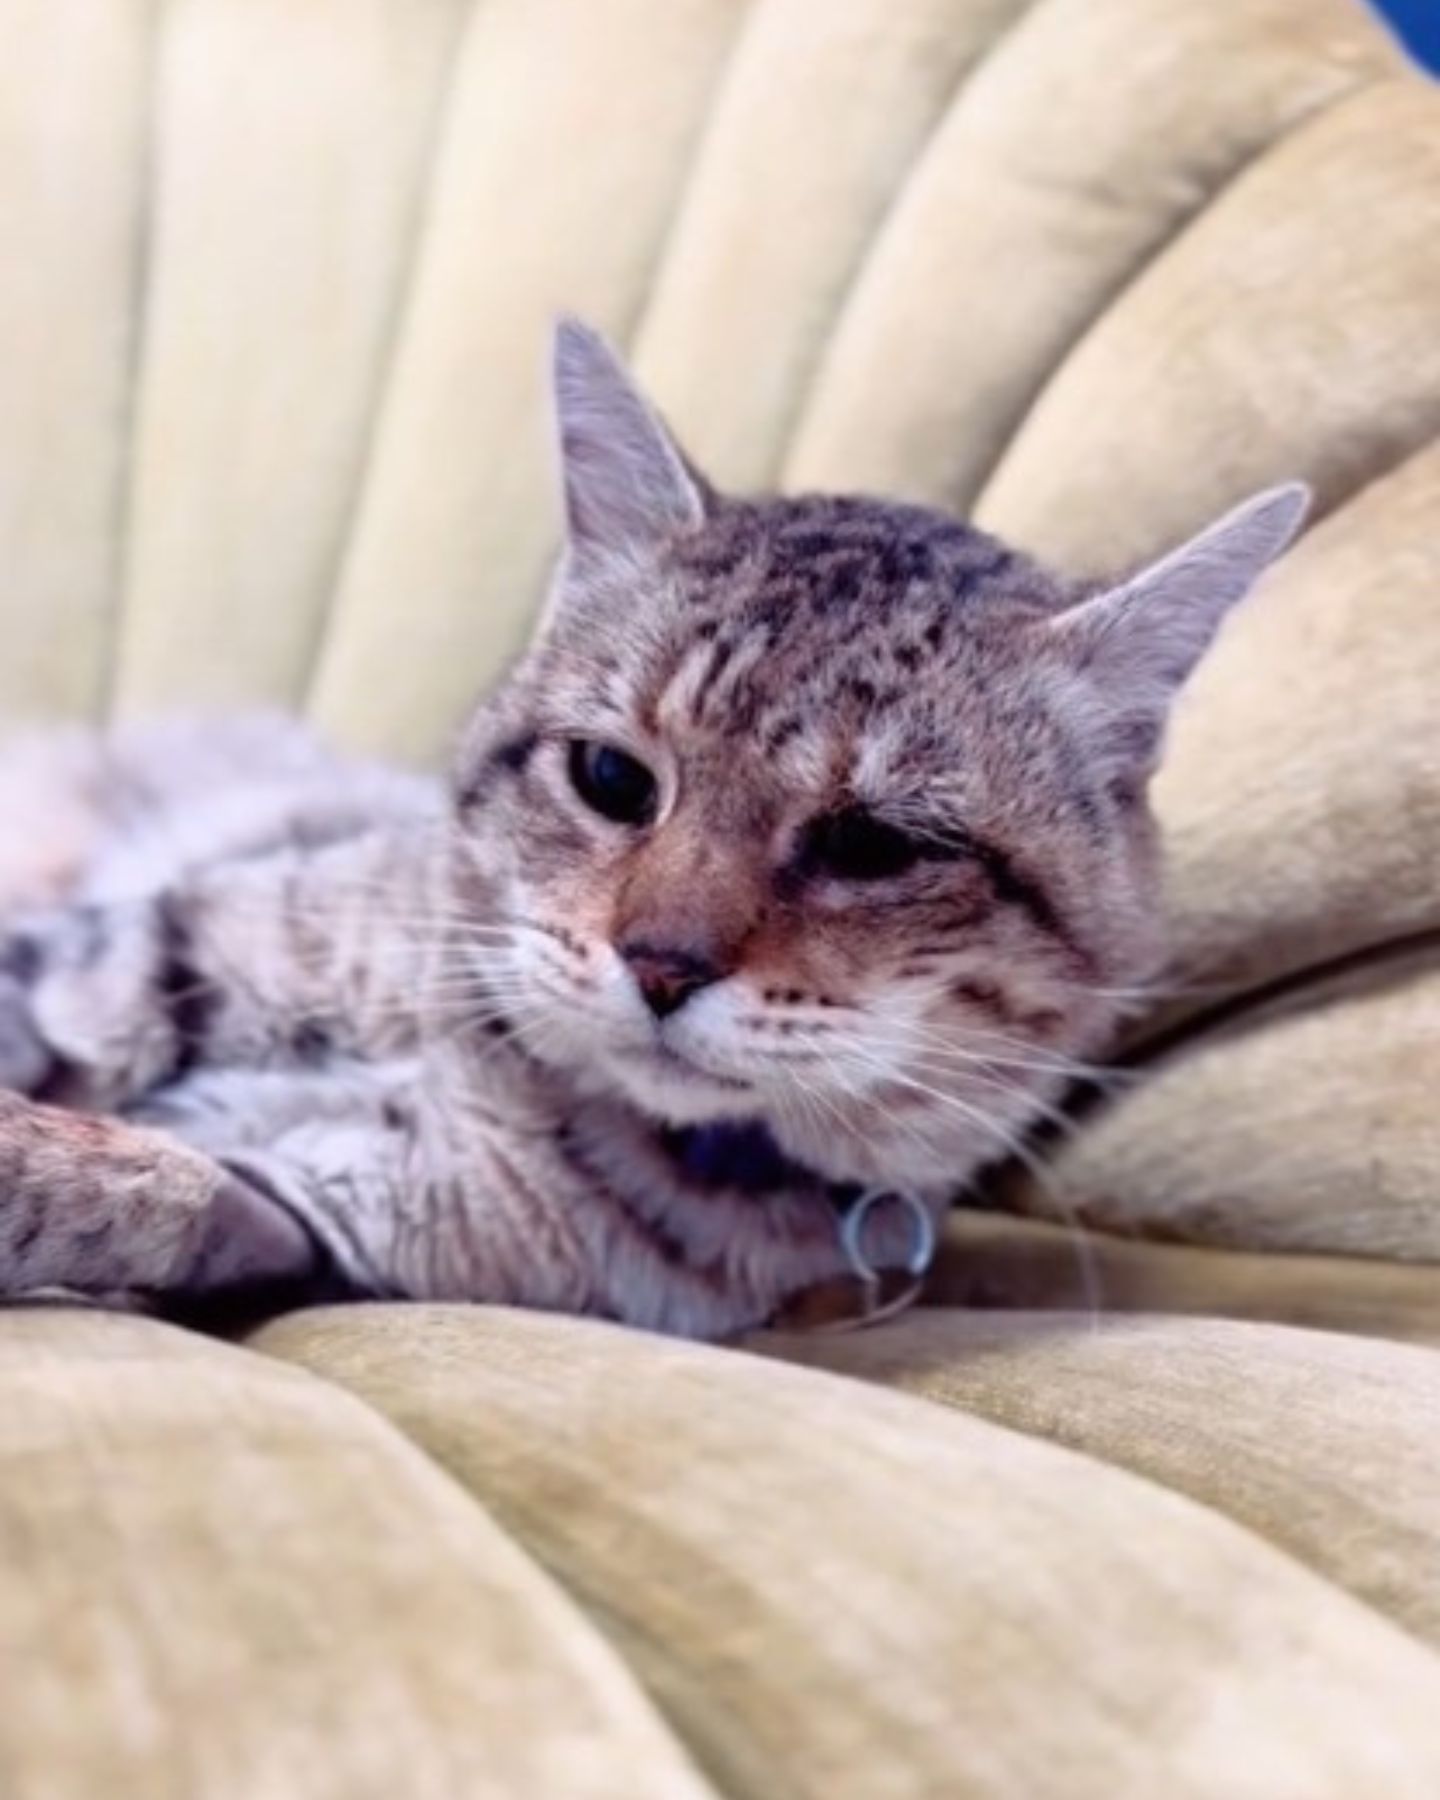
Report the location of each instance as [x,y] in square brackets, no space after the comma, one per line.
[1152,1520]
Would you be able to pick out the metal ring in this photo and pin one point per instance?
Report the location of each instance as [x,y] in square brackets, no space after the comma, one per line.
[853,1223]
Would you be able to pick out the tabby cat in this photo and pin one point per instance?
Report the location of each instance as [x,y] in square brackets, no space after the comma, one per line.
[799,860]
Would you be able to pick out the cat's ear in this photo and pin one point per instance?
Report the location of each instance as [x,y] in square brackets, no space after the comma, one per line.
[1138,642]
[626,481]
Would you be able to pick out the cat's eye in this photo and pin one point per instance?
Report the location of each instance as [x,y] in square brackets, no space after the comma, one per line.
[853,845]
[612,784]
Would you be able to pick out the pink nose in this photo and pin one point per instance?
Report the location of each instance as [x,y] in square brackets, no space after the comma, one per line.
[667,977]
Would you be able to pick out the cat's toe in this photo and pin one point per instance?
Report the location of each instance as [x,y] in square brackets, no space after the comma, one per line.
[25,1062]
[251,1239]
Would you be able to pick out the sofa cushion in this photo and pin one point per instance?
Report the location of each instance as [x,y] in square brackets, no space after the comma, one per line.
[275,426]
[222,1577]
[1258,1422]
[831,1588]
[273,432]
[1064,170]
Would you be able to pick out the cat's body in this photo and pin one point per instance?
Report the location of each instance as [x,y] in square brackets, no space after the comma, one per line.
[260,962]
[802,856]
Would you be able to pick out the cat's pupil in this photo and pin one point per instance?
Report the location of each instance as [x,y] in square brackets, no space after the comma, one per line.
[611,783]
[856,846]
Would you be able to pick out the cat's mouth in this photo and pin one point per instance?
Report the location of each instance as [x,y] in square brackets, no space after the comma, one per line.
[660,1059]
[665,1084]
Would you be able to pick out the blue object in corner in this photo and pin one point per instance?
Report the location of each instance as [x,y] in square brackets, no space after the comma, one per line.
[1418,23]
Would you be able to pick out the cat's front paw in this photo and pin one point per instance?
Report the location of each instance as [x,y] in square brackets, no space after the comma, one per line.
[25,1059]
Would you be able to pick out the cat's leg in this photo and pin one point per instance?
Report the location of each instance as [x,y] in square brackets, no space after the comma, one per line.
[276,1189]
[413,1191]
[275,961]
[338,1147]
[82,1013]
[25,1059]
[103,1207]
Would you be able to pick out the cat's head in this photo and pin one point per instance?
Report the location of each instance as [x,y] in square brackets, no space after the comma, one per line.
[828,812]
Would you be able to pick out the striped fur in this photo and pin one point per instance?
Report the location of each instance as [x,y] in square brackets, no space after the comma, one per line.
[886,871]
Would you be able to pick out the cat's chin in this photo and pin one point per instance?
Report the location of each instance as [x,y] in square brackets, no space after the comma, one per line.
[672,1091]
[667,1089]
[875,1158]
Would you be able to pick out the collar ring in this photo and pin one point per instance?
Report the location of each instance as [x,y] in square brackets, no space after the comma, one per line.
[852,1226]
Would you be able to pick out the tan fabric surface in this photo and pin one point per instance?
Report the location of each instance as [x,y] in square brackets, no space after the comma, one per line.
[568,135]
[1323,261]
[1301,795]
[286,186]
[271,341]
[794,182]
[1312,1125]
[220,1579]
[1327,1446]
[1062,167]
[73,83]
[1301,788]
[273,345]
[835,1590]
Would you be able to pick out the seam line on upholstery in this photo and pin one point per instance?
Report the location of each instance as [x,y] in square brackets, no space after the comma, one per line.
[665,239]
[1173,240]
[675,1705]
[815,374]
[392,336]
[1241,1012]
[664,249]
[633,328]
[1254,1006]
[122,530]
[561,1595]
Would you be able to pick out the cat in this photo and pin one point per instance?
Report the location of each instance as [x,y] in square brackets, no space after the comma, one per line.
[801,859]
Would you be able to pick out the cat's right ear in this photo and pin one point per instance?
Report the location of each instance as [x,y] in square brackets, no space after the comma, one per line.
[626,481]
[1140,641]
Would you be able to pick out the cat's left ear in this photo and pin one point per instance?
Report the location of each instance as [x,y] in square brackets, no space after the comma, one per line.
[1140,641]
[626,480]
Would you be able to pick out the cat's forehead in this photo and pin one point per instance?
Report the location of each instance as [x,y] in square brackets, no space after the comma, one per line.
[811,644]
[846,559]
[845,623]
[837,590]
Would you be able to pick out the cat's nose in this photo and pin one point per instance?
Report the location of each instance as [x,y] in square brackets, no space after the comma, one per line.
[667,977]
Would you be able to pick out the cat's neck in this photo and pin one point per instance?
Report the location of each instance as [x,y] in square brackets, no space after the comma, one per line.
[743,1157]
[639,1154]
[721,1203]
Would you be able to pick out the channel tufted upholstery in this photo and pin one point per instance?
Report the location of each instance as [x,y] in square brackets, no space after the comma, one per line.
[1155,1514]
